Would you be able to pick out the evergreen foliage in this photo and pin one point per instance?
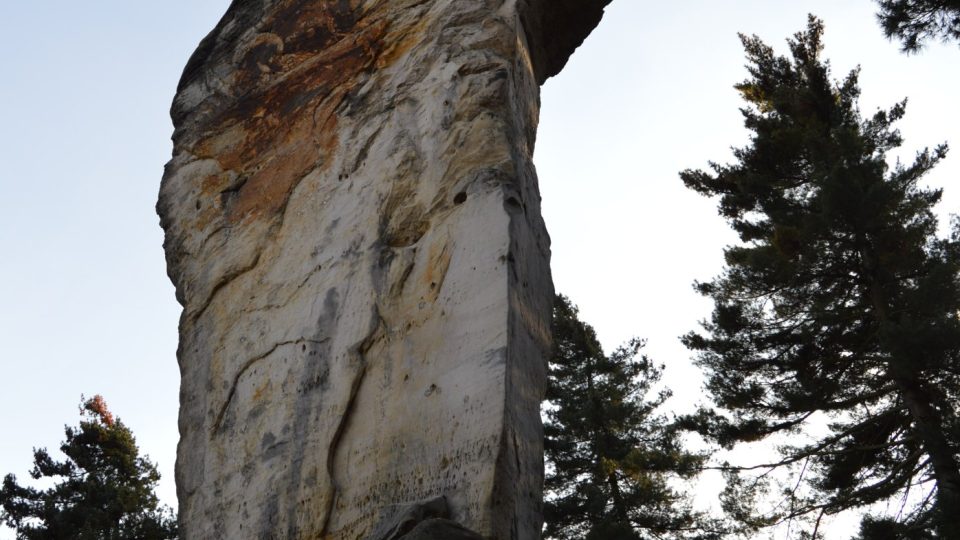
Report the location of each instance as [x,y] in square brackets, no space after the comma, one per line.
[841,303]
[914,22]
[917,528]
[610,456]
[102,491]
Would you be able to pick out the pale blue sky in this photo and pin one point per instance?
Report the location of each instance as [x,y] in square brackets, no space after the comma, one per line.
[86,305]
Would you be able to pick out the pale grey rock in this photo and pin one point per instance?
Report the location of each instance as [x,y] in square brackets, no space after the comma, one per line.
[353,228]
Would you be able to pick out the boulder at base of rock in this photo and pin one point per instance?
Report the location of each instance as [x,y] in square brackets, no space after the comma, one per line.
[441,529]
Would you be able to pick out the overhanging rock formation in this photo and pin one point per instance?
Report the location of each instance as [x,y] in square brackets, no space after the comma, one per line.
[353,228]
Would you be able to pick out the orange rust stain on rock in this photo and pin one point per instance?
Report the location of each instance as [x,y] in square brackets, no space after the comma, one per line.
[401,42]
[211,184]
[207,205]
[262,391]
[284,124]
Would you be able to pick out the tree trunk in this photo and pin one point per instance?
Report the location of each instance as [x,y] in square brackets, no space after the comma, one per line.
[927,422]
[945,470]
[619,508]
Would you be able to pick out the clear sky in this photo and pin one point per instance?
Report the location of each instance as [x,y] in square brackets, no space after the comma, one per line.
[86,86]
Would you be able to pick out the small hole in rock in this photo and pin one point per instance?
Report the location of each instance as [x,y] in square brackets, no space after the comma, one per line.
[460,198]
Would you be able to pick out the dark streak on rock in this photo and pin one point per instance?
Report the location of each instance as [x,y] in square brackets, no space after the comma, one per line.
[364,150]
[359,354]
[243,369]
[307,405]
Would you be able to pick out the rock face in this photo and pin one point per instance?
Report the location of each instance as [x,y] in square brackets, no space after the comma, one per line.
[353,228]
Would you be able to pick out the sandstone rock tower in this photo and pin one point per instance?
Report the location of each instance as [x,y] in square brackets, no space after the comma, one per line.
[353,228]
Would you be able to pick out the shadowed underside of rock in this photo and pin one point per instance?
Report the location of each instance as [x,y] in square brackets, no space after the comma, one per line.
[353,228]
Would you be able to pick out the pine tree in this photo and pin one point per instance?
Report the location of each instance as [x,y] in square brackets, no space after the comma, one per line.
[840,302]
[610,455]
[103,490]
[914,22]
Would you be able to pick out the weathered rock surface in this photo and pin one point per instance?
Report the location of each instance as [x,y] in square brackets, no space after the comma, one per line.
[441,529]
[353,228]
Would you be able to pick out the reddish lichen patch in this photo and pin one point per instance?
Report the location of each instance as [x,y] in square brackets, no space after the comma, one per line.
[312,26]
[291,80]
